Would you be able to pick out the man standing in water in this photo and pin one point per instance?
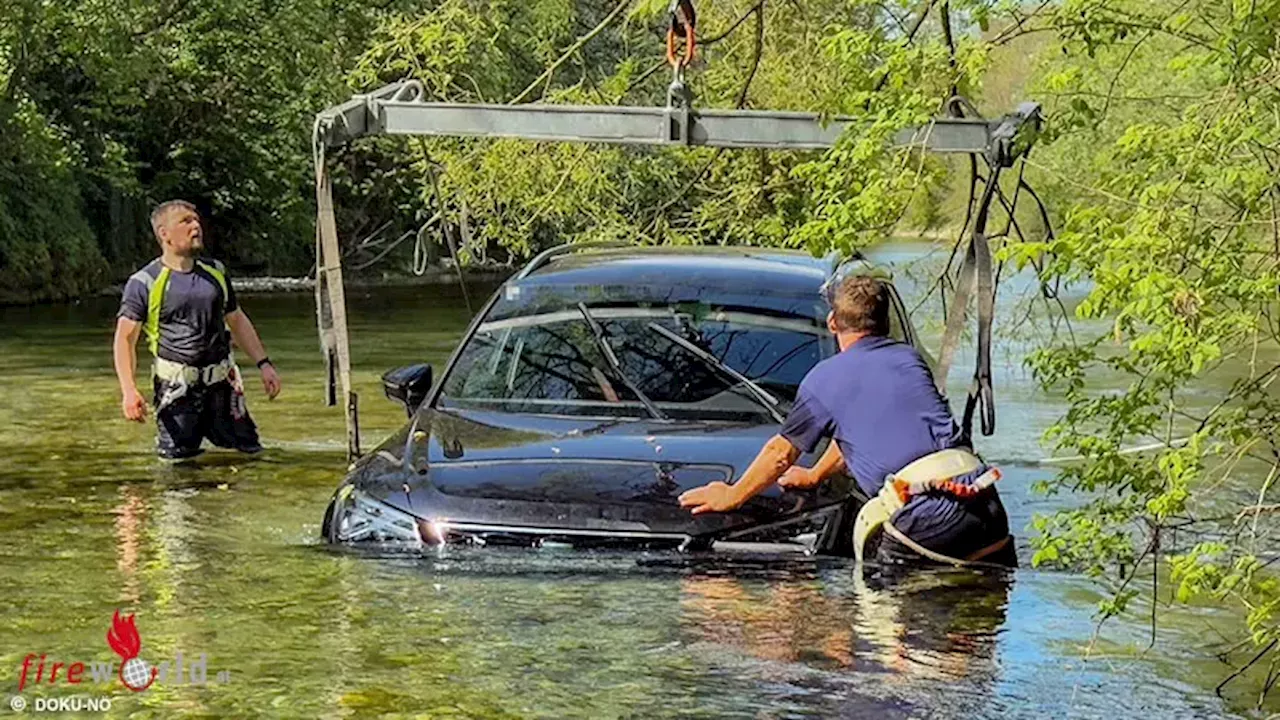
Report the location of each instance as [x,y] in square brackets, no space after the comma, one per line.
[894,432]
[188,312]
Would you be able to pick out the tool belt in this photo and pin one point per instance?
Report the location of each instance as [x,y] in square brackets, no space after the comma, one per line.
[179,374]
[180,378]
[935,471]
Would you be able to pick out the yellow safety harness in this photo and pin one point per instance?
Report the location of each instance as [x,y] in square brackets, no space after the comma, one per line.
[155,300]
[179,376]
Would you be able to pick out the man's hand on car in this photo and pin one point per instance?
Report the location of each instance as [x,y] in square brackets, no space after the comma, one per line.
[712,497]
[799,478]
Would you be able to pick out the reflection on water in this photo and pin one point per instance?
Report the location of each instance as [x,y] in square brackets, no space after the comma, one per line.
[923,626]
[129,521]
[221,558]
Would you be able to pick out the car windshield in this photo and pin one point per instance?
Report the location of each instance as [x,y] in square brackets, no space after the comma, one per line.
[552,363]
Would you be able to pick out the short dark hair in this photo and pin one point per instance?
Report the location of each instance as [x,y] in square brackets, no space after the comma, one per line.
[861,304]
[163,209]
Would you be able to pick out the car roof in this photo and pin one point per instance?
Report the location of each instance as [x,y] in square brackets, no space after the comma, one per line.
[772,270]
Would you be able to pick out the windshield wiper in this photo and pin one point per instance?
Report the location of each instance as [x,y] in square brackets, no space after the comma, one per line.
[766,400]
[612,359]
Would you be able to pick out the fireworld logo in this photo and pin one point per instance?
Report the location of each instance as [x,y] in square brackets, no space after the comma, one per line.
[134,673]
[124,639]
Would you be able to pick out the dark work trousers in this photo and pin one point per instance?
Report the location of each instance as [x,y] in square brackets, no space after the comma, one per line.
[970,526]
[216,412]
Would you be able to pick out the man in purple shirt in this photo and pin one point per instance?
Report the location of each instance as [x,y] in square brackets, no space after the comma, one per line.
[877,400]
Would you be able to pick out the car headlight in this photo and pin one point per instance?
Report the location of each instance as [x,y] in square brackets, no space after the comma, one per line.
[361,518]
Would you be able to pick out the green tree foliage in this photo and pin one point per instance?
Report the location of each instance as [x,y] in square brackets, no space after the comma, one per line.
[110,107]
[834,57]
[148,100]
[46,245]
[1166,168]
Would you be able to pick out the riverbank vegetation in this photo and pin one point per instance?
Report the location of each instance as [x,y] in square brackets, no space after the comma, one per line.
[1167,181]
[1160,165]
[107,108]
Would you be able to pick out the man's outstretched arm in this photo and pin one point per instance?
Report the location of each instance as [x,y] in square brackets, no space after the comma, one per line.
[124,349]
[807,423]
[246,338]
[829,464]
[775,457]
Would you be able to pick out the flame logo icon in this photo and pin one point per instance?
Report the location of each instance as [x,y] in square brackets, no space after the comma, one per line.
[123,638]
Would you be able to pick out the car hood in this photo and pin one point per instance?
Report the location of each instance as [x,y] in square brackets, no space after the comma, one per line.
[584,473]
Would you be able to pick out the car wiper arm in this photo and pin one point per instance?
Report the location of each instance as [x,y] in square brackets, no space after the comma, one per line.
[612,359]
[764,397]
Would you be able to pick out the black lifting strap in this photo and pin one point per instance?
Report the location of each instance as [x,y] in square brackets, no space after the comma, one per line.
[979,257]
[1009,140]
[683,16]
[976,269]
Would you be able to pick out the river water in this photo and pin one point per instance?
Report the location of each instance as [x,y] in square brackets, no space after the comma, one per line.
[222,560]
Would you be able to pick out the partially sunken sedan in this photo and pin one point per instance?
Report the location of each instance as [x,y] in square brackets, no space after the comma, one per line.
[594,387]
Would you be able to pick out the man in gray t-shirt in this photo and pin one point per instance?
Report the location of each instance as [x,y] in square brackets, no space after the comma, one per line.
[188,312]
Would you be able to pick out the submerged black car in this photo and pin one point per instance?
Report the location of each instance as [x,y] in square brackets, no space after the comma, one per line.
[594,387]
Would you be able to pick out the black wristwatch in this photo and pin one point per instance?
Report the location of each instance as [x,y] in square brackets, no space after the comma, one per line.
[265,361]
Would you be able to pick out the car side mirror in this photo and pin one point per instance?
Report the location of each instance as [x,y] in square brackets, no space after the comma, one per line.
[408,385]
